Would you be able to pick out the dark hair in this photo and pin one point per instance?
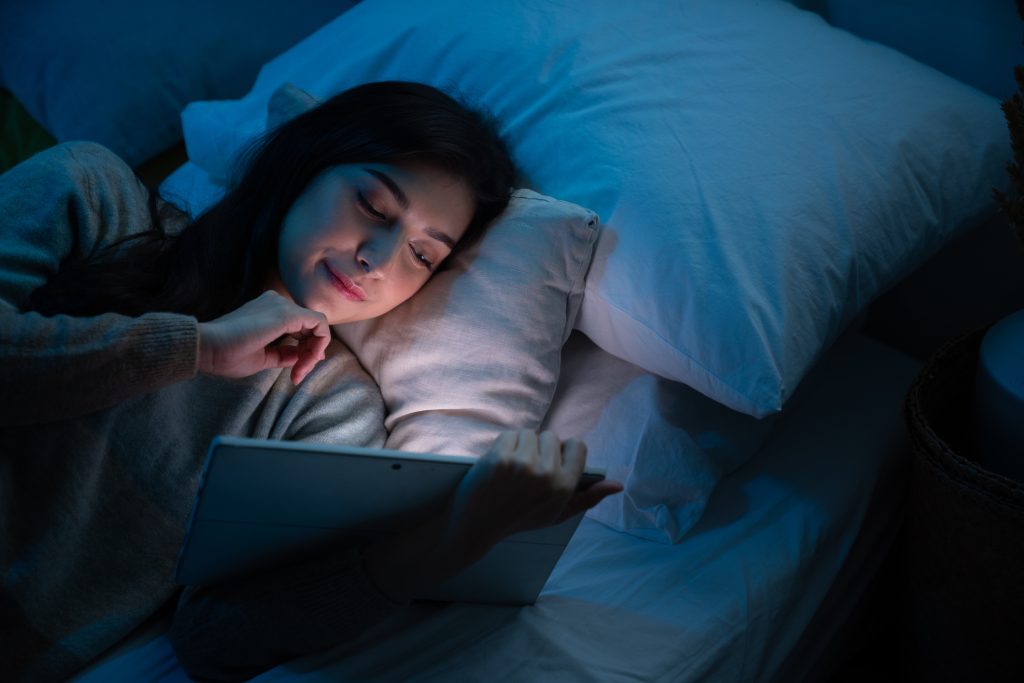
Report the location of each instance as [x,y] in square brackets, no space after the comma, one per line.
[224,257]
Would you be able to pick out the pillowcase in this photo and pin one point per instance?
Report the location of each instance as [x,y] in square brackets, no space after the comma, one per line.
[760,175]
[478,349]
[120,74]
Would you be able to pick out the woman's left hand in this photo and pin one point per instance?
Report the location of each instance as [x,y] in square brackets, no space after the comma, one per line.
[526,481]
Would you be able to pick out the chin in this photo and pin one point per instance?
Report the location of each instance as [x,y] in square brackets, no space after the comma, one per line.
[342,320]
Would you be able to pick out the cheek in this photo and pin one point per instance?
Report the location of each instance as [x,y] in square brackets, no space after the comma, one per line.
[404,287]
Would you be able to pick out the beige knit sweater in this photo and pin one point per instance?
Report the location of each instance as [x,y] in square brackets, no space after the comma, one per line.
[104,424]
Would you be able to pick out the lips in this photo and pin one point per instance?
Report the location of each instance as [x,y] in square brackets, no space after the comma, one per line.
[344,284]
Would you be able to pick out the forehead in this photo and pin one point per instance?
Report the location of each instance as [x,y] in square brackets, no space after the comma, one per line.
[420,176]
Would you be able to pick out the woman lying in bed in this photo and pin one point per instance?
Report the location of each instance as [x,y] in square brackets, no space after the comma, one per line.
[131,337]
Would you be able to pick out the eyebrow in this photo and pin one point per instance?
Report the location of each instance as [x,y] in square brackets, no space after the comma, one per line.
[400,196]
[440,237]
[403,201]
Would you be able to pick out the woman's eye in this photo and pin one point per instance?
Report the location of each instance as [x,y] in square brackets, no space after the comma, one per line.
[421,258]
[369,207]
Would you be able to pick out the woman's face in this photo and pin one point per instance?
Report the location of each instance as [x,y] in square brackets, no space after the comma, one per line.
[363,238]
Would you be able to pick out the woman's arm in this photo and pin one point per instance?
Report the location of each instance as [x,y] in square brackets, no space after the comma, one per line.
[61,367]
[66,203]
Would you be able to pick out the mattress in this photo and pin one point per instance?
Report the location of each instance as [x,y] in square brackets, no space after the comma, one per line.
[789,540]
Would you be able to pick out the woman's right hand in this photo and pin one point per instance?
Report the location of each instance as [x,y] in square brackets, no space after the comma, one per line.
[247,340]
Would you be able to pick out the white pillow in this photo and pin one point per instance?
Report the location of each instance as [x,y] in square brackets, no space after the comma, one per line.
[478,349]
[760,175]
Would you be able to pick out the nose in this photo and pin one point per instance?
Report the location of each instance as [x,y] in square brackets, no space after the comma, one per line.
[377,251]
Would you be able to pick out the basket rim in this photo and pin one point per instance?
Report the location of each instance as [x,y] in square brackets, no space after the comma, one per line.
[958,469]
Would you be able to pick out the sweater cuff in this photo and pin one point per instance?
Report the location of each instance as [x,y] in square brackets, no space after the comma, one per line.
[168,347]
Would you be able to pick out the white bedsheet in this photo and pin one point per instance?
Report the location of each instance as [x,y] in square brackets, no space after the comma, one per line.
[729,603]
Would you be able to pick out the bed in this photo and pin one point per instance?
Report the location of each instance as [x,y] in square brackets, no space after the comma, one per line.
[718,194]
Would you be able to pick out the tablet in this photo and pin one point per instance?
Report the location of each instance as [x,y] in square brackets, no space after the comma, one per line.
[262,502]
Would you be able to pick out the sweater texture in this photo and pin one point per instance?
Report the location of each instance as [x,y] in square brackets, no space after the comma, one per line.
[104,428]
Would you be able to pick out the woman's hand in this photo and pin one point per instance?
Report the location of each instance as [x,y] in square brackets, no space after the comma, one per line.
[246,340]
[526,481]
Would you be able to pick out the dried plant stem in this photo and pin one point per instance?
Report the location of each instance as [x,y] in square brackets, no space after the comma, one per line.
[1013,110]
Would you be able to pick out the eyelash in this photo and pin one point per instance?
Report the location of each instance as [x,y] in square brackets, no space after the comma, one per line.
[369,207]
[427,263]
[420,258]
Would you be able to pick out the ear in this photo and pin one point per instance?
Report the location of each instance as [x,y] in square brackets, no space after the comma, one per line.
[287,102]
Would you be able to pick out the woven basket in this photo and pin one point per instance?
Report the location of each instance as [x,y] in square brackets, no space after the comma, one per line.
[963,556]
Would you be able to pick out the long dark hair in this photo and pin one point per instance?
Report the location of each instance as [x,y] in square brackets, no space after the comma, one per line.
[224,257]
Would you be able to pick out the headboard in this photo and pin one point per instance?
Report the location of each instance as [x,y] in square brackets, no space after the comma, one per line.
[975,41]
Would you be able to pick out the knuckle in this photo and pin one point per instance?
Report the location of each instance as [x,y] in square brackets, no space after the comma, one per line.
[504,466]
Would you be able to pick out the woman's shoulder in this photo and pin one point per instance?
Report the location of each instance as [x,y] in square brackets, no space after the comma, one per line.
[70,171]
[95,180]
[79,158]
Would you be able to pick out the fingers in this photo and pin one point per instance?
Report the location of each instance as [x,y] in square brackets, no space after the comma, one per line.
[549,453]
[320,343]
[574,458]
[505,443]
[310,352]
[248,339]
[309,327]
[526,450]
[298,359]
[543,453]
[303,368]
[299,319]
[282,356]
[526,481]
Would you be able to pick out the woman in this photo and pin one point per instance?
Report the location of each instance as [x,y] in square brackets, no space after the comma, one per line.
[130,337]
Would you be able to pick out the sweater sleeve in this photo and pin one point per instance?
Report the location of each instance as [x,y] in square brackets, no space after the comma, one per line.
[66,203]
[311,606]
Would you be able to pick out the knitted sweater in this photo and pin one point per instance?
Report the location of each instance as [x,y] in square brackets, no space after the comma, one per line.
[104,425]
